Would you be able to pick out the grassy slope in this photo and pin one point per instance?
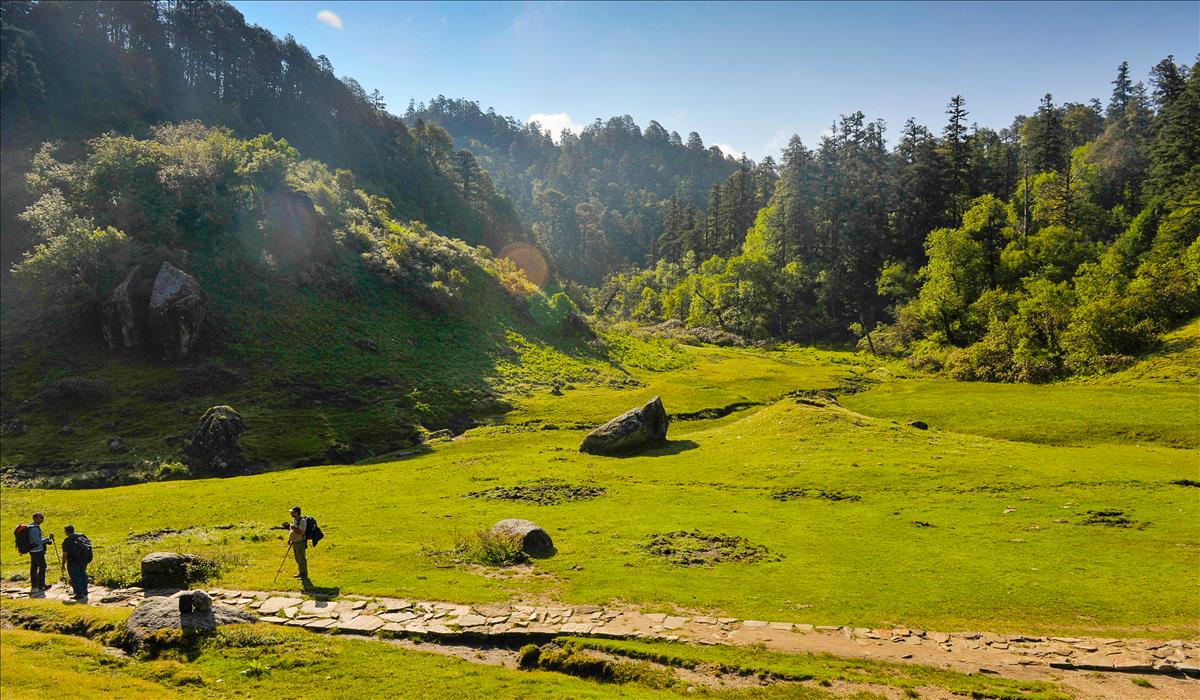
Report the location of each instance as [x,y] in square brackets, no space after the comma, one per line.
[1155,401]
[864,563]
[302,383]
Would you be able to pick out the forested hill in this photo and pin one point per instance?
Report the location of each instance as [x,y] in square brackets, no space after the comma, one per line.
[74,70]
[598,200]
[1066,243]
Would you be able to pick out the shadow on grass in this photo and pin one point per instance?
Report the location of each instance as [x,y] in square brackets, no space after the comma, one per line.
[662,449]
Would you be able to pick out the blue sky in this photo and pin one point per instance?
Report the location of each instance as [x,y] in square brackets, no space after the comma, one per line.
[743,75]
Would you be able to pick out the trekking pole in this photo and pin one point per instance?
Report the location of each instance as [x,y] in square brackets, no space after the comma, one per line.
[281,563]
[62,574]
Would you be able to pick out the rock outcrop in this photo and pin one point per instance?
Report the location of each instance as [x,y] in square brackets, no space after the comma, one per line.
[124,313]
[534,540]
[177,312]
[162,613]
[213,445]
[632,429]
[165,570]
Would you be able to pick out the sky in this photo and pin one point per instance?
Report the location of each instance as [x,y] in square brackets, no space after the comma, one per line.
[745,76]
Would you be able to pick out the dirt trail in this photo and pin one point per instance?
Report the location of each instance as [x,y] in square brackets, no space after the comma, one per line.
[1093,667]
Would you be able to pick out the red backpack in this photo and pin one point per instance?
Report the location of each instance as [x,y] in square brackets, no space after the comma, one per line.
[21,533]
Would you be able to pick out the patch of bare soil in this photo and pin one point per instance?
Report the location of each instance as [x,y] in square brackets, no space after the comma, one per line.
[695,548]
[798,493]
[546,492]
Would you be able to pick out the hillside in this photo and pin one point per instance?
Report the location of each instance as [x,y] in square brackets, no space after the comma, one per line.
[73,71]
[337,331]
[599,200]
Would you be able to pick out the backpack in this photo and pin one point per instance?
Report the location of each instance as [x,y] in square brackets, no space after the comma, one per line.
[21,533]
[312,531]
[81,549]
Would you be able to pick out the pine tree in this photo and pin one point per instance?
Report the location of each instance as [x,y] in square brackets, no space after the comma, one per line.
[954,138]
[1122,89]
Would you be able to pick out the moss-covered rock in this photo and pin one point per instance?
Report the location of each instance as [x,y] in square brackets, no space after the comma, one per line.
[213,445]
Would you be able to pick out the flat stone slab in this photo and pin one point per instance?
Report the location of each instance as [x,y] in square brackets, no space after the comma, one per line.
[362,623]
[274,605]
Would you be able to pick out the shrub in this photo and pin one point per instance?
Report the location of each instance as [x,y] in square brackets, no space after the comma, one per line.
[492,549]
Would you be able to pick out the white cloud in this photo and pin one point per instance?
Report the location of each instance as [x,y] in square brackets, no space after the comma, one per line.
[555,123]
[728,150]
[327,17]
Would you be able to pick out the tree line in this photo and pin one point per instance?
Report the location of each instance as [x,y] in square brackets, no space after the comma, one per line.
[1066,242]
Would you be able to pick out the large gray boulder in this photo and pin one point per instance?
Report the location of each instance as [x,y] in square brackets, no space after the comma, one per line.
[165,570]
[162,613]
[630,430]
[124,314]
[213,445]
[177,312]
[534,540]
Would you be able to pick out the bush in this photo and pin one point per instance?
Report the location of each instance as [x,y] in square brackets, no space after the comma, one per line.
[492,549]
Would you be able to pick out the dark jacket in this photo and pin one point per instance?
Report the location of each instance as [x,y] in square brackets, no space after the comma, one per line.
[73,550]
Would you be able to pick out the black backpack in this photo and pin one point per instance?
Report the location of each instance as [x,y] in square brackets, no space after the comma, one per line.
[21,533]
[312,531]
[81,549]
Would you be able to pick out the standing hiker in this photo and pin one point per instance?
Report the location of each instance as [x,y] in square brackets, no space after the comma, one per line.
[298,541]
[37,554]
[77,551]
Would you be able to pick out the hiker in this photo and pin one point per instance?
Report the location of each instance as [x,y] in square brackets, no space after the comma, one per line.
[37,554]
[77,551]
[298,541]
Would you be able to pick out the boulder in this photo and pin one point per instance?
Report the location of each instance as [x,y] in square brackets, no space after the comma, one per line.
[165,570]
[919,425]
[177,312]
[124,312]
[213,445]
[635,428]
[202,601]
[162,613]
[534,540]
[290,226]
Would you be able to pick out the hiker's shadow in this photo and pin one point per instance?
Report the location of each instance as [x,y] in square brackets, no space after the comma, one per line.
[321,591]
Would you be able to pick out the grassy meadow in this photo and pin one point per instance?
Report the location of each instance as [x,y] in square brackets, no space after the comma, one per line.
[865,520]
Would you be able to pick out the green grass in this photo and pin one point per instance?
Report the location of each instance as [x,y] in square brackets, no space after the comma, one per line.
[756,661]
[866,562]
[266,661]
[272,354]
[1055,414]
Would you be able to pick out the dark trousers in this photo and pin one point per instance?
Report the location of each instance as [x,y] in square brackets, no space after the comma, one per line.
[79,579]
[37,569]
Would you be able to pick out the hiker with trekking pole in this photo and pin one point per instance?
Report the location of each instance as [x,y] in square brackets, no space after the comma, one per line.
[300,529]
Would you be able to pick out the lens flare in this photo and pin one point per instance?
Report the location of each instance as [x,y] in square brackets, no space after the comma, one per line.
[528,260]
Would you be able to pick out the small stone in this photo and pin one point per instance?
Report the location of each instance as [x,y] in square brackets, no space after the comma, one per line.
[674,622]
[754,623]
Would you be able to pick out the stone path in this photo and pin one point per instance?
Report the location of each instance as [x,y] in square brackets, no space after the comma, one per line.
[973,651]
